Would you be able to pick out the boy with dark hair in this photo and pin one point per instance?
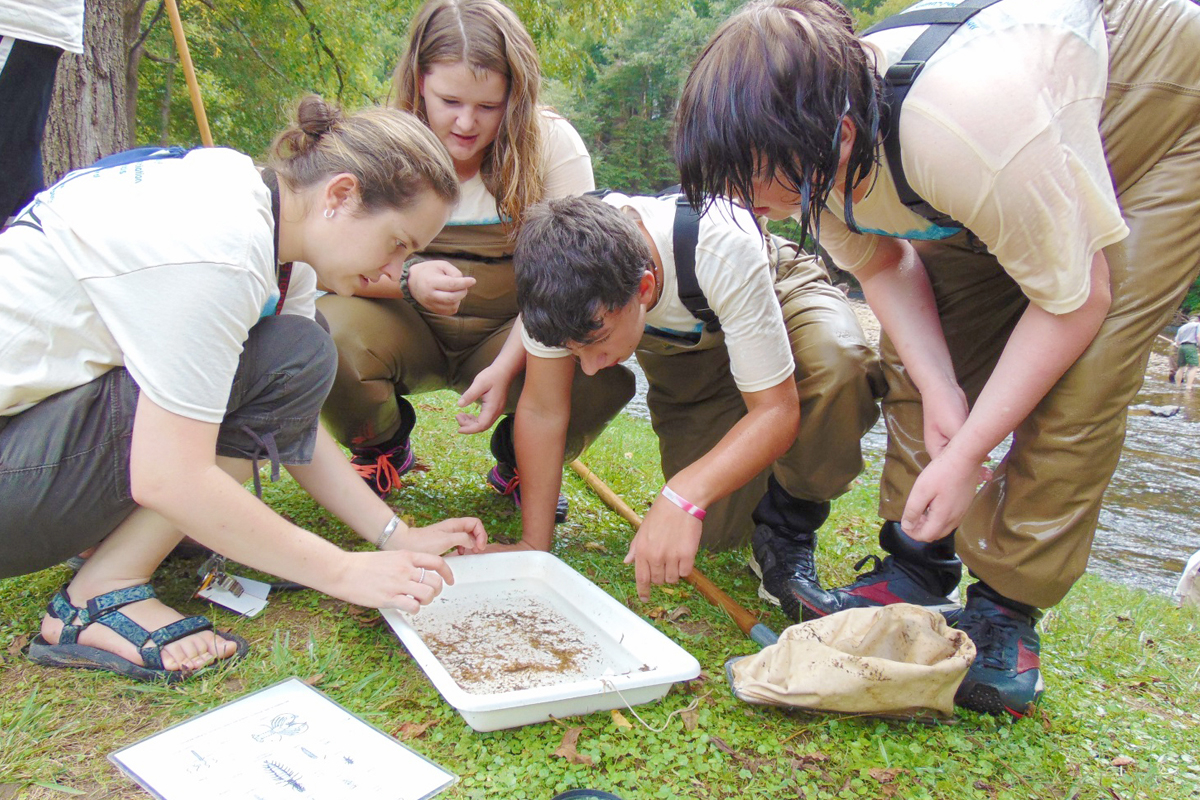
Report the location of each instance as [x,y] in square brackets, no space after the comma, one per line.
[748,440]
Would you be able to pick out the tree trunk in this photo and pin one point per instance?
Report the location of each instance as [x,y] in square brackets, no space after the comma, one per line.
[95,95]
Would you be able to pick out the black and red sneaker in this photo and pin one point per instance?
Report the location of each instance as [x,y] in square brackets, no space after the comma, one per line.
[1006,677]
[922,573]
[382,465]
[505,480]
[890,580]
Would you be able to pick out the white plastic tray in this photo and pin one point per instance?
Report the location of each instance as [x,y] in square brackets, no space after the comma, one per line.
[640,663]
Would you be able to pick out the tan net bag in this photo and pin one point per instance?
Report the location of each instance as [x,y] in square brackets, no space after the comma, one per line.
[893,661]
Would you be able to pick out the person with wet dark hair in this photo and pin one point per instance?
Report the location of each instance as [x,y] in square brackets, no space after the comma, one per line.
[158,337]
[1023,223]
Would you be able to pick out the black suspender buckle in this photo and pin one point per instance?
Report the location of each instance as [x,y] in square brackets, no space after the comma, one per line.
[903,73]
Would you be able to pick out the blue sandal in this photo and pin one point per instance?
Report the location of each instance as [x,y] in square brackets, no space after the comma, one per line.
[105,610]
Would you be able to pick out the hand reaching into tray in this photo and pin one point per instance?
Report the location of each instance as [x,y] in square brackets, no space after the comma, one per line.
[463,535]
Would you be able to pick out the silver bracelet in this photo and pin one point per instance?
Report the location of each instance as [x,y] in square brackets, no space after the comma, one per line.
[388,530]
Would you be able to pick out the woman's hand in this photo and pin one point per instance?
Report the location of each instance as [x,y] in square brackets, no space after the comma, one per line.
[438,286]
[391,579]
[463,535]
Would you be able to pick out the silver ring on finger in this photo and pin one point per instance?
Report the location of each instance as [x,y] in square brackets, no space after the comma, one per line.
[422,578]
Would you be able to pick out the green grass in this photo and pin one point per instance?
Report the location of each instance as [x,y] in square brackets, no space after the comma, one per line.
[1122,670]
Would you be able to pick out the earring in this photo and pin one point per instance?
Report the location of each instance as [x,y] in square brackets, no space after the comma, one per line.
[329,212]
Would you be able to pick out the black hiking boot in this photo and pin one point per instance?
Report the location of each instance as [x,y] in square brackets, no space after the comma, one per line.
[922,573]
[504,478]
[1006,677]
[783,549]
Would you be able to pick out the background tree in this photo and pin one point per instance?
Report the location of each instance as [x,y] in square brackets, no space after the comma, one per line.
[93,109]
[255,58]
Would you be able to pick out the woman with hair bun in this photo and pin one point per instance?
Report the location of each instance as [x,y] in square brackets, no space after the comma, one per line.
[471,73]
[156,341]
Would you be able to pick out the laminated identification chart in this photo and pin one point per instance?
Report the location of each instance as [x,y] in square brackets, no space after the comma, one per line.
[285,741]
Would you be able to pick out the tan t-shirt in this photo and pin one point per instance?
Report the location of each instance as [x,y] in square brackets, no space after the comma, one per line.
[565,163]
[1002,132]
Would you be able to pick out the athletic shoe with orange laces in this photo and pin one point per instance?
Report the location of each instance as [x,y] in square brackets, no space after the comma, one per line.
[505,480]
[382,465]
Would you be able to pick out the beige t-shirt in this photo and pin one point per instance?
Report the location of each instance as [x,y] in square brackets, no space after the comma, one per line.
[1002,132]
[733,271]
[160,266]
[53,22]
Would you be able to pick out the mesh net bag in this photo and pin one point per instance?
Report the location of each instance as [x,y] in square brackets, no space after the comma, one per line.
[899,660]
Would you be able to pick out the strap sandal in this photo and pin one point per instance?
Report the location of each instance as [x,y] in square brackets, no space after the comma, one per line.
[105,610]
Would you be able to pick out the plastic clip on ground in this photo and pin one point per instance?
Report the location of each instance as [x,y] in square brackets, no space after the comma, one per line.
[212,573]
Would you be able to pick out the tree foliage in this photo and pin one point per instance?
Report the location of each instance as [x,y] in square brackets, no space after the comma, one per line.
[255,58]
[625,104]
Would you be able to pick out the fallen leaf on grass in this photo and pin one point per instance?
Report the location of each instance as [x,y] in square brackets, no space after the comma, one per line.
[884,775]
[14,649]
[695,628]
[656,613]
[691,719]
[1123,761]
[722,746]
[809,759]
[682,611]
[315,680]
[412,730]
[595,546]
[619,719]
[567,748]
[367,617]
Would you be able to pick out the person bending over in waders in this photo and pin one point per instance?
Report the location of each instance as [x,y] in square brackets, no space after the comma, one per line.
[1047,152]
[144,370]
[758,412]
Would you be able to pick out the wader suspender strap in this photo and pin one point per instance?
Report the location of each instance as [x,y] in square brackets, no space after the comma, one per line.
[285,270]
[942,22]
[685,235]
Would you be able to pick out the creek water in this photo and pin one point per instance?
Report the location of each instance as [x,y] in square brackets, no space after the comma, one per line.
[1148,525]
